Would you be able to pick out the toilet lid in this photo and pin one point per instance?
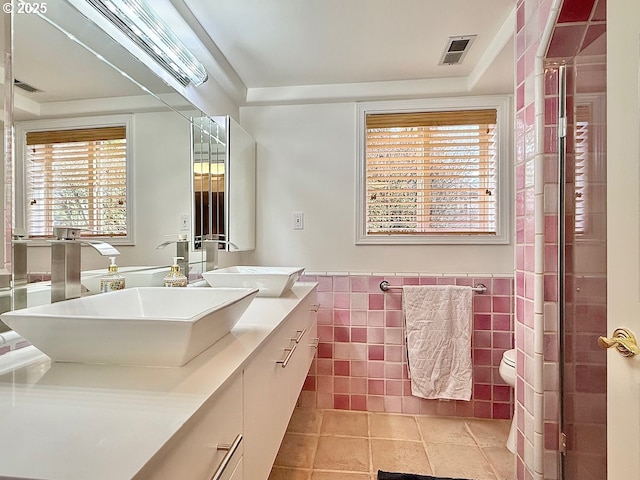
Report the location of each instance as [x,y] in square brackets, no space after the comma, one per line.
[509,357]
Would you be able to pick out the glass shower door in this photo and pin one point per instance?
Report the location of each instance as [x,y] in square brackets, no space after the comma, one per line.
[583,270]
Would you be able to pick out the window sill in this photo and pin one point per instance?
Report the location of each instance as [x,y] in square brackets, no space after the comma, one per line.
[500,239]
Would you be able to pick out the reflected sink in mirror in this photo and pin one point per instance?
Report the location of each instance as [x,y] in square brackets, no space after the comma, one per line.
[272,281]
[133,277]
[163,327]
[38,293]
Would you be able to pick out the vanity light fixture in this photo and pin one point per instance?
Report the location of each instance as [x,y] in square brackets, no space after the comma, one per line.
[146,29]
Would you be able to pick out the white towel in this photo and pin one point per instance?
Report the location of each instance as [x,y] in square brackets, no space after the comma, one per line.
[438,330]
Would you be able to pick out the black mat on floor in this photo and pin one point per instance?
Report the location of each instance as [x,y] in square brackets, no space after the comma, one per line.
[410,476]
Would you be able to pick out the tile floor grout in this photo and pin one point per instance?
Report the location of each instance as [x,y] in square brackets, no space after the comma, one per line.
[422,440]
[481,449]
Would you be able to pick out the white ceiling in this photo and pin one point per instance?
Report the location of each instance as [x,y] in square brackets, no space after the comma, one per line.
[283,51]
[275,44]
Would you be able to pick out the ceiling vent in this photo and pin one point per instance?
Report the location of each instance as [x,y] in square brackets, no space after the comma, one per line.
[456,49]
[25,86]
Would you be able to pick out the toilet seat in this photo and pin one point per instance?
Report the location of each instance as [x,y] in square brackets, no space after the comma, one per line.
[509,357]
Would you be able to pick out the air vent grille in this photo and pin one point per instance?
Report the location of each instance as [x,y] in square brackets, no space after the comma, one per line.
[25,86]
[456,49]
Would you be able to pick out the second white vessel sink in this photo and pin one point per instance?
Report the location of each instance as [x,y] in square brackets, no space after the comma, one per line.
[272,281]
[138,326]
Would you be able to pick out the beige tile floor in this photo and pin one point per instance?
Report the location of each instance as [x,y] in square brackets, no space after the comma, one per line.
[344,445]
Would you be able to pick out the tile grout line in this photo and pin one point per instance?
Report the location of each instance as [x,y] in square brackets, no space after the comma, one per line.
[315,450]
[369,414]
[484,455]
[424,445]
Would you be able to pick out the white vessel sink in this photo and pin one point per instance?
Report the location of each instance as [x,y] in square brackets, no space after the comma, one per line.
[133,277]
[138,326]
[272,281]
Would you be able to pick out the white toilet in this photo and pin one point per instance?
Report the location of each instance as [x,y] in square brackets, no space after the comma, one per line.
[508,374]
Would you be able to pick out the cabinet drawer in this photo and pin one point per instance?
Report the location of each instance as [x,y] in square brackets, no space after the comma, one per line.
[304,355]
[199,451]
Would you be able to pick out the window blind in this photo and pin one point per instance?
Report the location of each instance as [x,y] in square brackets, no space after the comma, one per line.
[431,173]
[78,178]
[581,173]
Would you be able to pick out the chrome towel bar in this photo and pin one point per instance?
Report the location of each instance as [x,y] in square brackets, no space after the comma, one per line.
[384,286]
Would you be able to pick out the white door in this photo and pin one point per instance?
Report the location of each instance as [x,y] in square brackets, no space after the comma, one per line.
[623,234]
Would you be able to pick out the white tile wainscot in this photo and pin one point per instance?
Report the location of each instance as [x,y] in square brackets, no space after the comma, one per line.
[76,421]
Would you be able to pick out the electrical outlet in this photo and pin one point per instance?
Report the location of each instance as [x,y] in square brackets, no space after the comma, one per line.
[298,221]
[184,223]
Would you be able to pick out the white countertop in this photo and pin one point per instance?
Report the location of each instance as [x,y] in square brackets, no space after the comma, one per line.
[78,421]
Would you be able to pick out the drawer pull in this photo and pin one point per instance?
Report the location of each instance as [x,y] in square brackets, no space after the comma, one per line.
[300,335]
[290,351]
[315,307]
[231,449]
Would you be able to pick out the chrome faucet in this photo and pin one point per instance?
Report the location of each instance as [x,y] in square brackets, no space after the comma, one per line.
[65,262]
[211,246]
[182,250]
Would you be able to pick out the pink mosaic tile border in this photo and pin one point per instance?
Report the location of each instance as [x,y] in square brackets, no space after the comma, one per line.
[361,362]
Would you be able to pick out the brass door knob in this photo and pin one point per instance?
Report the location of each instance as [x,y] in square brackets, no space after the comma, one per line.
[623,340]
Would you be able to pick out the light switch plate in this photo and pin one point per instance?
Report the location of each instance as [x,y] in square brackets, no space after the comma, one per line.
[184,223]
[298,221]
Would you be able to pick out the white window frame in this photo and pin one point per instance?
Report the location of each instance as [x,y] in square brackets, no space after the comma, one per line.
[504,127]
[21,130]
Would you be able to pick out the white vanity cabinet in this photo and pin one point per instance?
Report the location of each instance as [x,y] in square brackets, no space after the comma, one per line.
[257,403]
[210,444]
[115,422]
[273,380]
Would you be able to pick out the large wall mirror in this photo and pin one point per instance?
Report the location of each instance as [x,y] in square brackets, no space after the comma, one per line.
[68,69]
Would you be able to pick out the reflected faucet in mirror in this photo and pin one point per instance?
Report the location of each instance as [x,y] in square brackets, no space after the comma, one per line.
[19,258]
[19,246]
[182,250]
[224,178]
[66,264]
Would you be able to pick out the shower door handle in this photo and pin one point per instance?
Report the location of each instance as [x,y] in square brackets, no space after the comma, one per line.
[623,340]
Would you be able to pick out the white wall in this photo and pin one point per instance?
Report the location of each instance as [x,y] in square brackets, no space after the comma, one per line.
[306,158]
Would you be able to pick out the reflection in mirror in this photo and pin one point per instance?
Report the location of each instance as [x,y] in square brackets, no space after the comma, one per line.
[66,66]
[224,178]
[209,159]
[67,69]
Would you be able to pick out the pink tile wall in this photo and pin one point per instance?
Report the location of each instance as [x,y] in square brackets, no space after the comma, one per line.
[532,16]
[361,362]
